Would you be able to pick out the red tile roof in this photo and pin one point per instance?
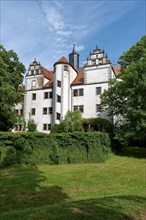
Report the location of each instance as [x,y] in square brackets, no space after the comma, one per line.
[62,60]
[80,77]
[48,74]
[116,70]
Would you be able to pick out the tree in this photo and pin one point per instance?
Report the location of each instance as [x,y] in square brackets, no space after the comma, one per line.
[10,78]
[127,97]
[73,121]
[31,125]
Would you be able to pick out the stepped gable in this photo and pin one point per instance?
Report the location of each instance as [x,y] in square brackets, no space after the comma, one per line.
[80,77]
[116,70]
[62,60]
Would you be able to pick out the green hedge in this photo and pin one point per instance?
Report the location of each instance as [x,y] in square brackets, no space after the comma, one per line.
[40,148]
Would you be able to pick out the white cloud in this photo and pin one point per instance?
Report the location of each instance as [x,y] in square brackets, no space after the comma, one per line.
[53,17]
[47,27]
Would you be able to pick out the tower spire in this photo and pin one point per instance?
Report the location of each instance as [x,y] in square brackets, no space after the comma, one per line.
[73,50]
[74,58]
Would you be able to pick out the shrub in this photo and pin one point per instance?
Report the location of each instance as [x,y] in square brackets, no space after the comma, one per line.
[39,148]
[31,126]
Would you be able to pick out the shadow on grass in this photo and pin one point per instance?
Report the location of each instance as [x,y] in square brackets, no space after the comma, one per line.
[23,197]
[136,152]
[21,188]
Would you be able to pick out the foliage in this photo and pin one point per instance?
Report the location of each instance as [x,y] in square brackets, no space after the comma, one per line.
[73,121]
[54,154]
[57,128]
[39,148]
[98,124]
[31,125]
[105,191]
[126,98]
[10,78]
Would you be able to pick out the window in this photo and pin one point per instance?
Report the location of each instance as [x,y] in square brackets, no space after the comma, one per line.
[18,127]
[81,92]
[33,84]
[78,107]
[58,98]
[81,108]
[98,108]
[48,95]
[50,110]
[75,92]
[100,60]
[78,92]
[75,107]
[37,71]
[44,111]
[32,72]
[34,96]
[65,68]
[58,116]
[46,127]
[98,90]
[33,111]
[58,83]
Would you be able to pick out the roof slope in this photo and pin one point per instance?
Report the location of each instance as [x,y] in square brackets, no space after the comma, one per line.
[80,77]
[116,70]
[62,60]
[48,74]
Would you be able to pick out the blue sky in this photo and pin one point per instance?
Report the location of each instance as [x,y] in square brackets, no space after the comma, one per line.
[46,30]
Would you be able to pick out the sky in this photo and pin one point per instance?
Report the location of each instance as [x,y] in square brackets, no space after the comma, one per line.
[46,30]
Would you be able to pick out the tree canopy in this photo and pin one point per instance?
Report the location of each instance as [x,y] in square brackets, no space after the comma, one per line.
[71,123]
[127,97]
[10,78]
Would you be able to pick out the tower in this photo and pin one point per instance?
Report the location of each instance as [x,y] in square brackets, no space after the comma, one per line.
[74,58]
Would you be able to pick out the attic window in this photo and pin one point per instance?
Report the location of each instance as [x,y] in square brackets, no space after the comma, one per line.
[32,72]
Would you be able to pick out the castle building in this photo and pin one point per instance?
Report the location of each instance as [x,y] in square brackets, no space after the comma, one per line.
[50,94]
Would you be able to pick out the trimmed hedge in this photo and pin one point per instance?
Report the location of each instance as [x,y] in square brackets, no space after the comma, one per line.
[39,148]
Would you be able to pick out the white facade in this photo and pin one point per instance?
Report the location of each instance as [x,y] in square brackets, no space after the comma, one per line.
[50,94]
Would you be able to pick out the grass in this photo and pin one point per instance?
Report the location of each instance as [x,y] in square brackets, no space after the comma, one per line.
[114,190]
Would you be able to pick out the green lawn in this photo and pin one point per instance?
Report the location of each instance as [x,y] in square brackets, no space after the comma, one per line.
[114,190]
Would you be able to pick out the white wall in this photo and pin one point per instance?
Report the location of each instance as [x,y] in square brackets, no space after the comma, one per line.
[38,104]
[96,74]
[89,100]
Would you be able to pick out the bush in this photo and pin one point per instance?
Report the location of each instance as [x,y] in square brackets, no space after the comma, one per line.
[39,148]
[31,126]
[98,124]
